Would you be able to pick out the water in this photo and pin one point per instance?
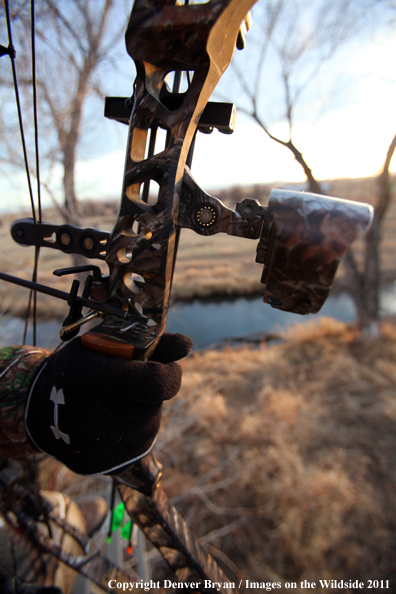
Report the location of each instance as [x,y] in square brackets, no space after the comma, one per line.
[388,300]
[11,332]
[210,322]
[206,322]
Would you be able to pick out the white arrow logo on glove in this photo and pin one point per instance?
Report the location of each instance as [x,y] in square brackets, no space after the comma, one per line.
[57,398]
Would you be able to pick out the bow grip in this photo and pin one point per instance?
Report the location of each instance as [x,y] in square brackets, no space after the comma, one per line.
[107,345]
[301,244]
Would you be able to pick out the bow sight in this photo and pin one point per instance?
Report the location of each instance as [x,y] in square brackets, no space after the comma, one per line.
[301,237]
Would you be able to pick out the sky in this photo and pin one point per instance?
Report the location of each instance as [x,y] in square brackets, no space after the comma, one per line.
[347,139]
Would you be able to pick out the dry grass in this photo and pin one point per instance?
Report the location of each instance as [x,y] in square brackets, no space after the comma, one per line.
[215,266]
[311,424]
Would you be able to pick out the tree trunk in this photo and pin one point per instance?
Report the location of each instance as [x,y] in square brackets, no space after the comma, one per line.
[70,201]
[368,322]
[71,205]
[366,291]
[314,185]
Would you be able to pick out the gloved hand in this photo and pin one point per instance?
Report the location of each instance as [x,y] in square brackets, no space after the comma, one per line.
[97,413]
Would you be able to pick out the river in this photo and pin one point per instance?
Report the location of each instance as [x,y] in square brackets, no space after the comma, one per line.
[211,322]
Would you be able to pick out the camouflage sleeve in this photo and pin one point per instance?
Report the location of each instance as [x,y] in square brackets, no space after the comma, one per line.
[18,368]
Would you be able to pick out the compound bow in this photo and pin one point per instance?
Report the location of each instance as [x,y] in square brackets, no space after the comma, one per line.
[301,237]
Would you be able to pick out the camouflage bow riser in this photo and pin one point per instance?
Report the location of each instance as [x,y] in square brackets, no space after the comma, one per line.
[163,39]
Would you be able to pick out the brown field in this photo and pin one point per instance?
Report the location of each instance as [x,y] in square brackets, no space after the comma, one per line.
[297,441]
[283,457]
[207,266]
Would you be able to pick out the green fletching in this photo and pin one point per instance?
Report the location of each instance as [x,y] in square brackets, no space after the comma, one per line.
[126,531]
[117,516]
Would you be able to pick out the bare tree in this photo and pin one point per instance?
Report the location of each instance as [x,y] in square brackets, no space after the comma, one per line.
[364,283]
[74,41]
[297,39]
[300,38]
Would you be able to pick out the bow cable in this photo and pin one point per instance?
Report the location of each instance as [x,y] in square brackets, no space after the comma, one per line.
[11,53]
[34,89]
[37,156]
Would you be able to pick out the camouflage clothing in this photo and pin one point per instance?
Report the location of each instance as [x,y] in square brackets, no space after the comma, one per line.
[18,368]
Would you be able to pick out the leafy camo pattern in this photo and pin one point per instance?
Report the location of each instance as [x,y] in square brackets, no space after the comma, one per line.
[18,368]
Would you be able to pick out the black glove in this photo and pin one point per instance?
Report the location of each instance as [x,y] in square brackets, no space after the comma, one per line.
[97,413]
